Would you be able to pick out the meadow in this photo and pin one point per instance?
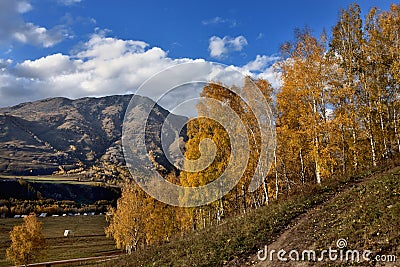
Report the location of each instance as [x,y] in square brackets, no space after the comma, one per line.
[89,239]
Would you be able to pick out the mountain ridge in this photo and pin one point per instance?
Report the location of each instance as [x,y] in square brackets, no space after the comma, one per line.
[63,135]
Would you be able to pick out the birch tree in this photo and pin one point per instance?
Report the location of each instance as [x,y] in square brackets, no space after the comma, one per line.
[28,244]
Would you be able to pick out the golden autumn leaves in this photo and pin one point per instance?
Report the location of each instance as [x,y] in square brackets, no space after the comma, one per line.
[28,244]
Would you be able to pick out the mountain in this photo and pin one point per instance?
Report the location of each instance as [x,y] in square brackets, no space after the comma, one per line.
[82,135]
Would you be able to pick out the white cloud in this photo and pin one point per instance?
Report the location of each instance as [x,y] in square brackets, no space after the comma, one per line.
[33,34]
[4,63]
[24,6]
[14,28]
[272,76]
[260,63]
[108,48]
[219,20]
[107,66]
[69,2]
[260,36]
[219,47]
[46,67]
[263,67]
[102,66]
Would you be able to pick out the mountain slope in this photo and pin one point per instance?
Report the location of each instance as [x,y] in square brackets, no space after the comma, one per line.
[61,134]
[364,216]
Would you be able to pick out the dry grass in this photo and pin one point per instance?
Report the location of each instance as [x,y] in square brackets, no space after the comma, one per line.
[238,239]
[89,239]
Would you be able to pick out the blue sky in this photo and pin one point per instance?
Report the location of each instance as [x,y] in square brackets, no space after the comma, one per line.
[78,48]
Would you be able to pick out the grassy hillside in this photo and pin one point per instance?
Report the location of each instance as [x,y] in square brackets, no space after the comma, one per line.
[364,209]
[367,216]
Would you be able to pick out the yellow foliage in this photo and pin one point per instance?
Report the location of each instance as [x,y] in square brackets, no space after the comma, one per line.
[28,244]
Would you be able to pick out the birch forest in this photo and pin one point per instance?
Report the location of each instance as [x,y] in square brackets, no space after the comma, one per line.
[336,113]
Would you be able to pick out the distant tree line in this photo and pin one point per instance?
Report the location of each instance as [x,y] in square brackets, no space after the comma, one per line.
[11,207]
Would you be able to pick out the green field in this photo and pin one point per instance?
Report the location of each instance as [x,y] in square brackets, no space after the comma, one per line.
[89,239]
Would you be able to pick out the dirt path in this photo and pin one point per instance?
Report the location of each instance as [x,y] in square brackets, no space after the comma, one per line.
[291,239]
[299,235]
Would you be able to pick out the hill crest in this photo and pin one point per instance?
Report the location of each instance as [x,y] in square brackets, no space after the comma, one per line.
[56,134]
